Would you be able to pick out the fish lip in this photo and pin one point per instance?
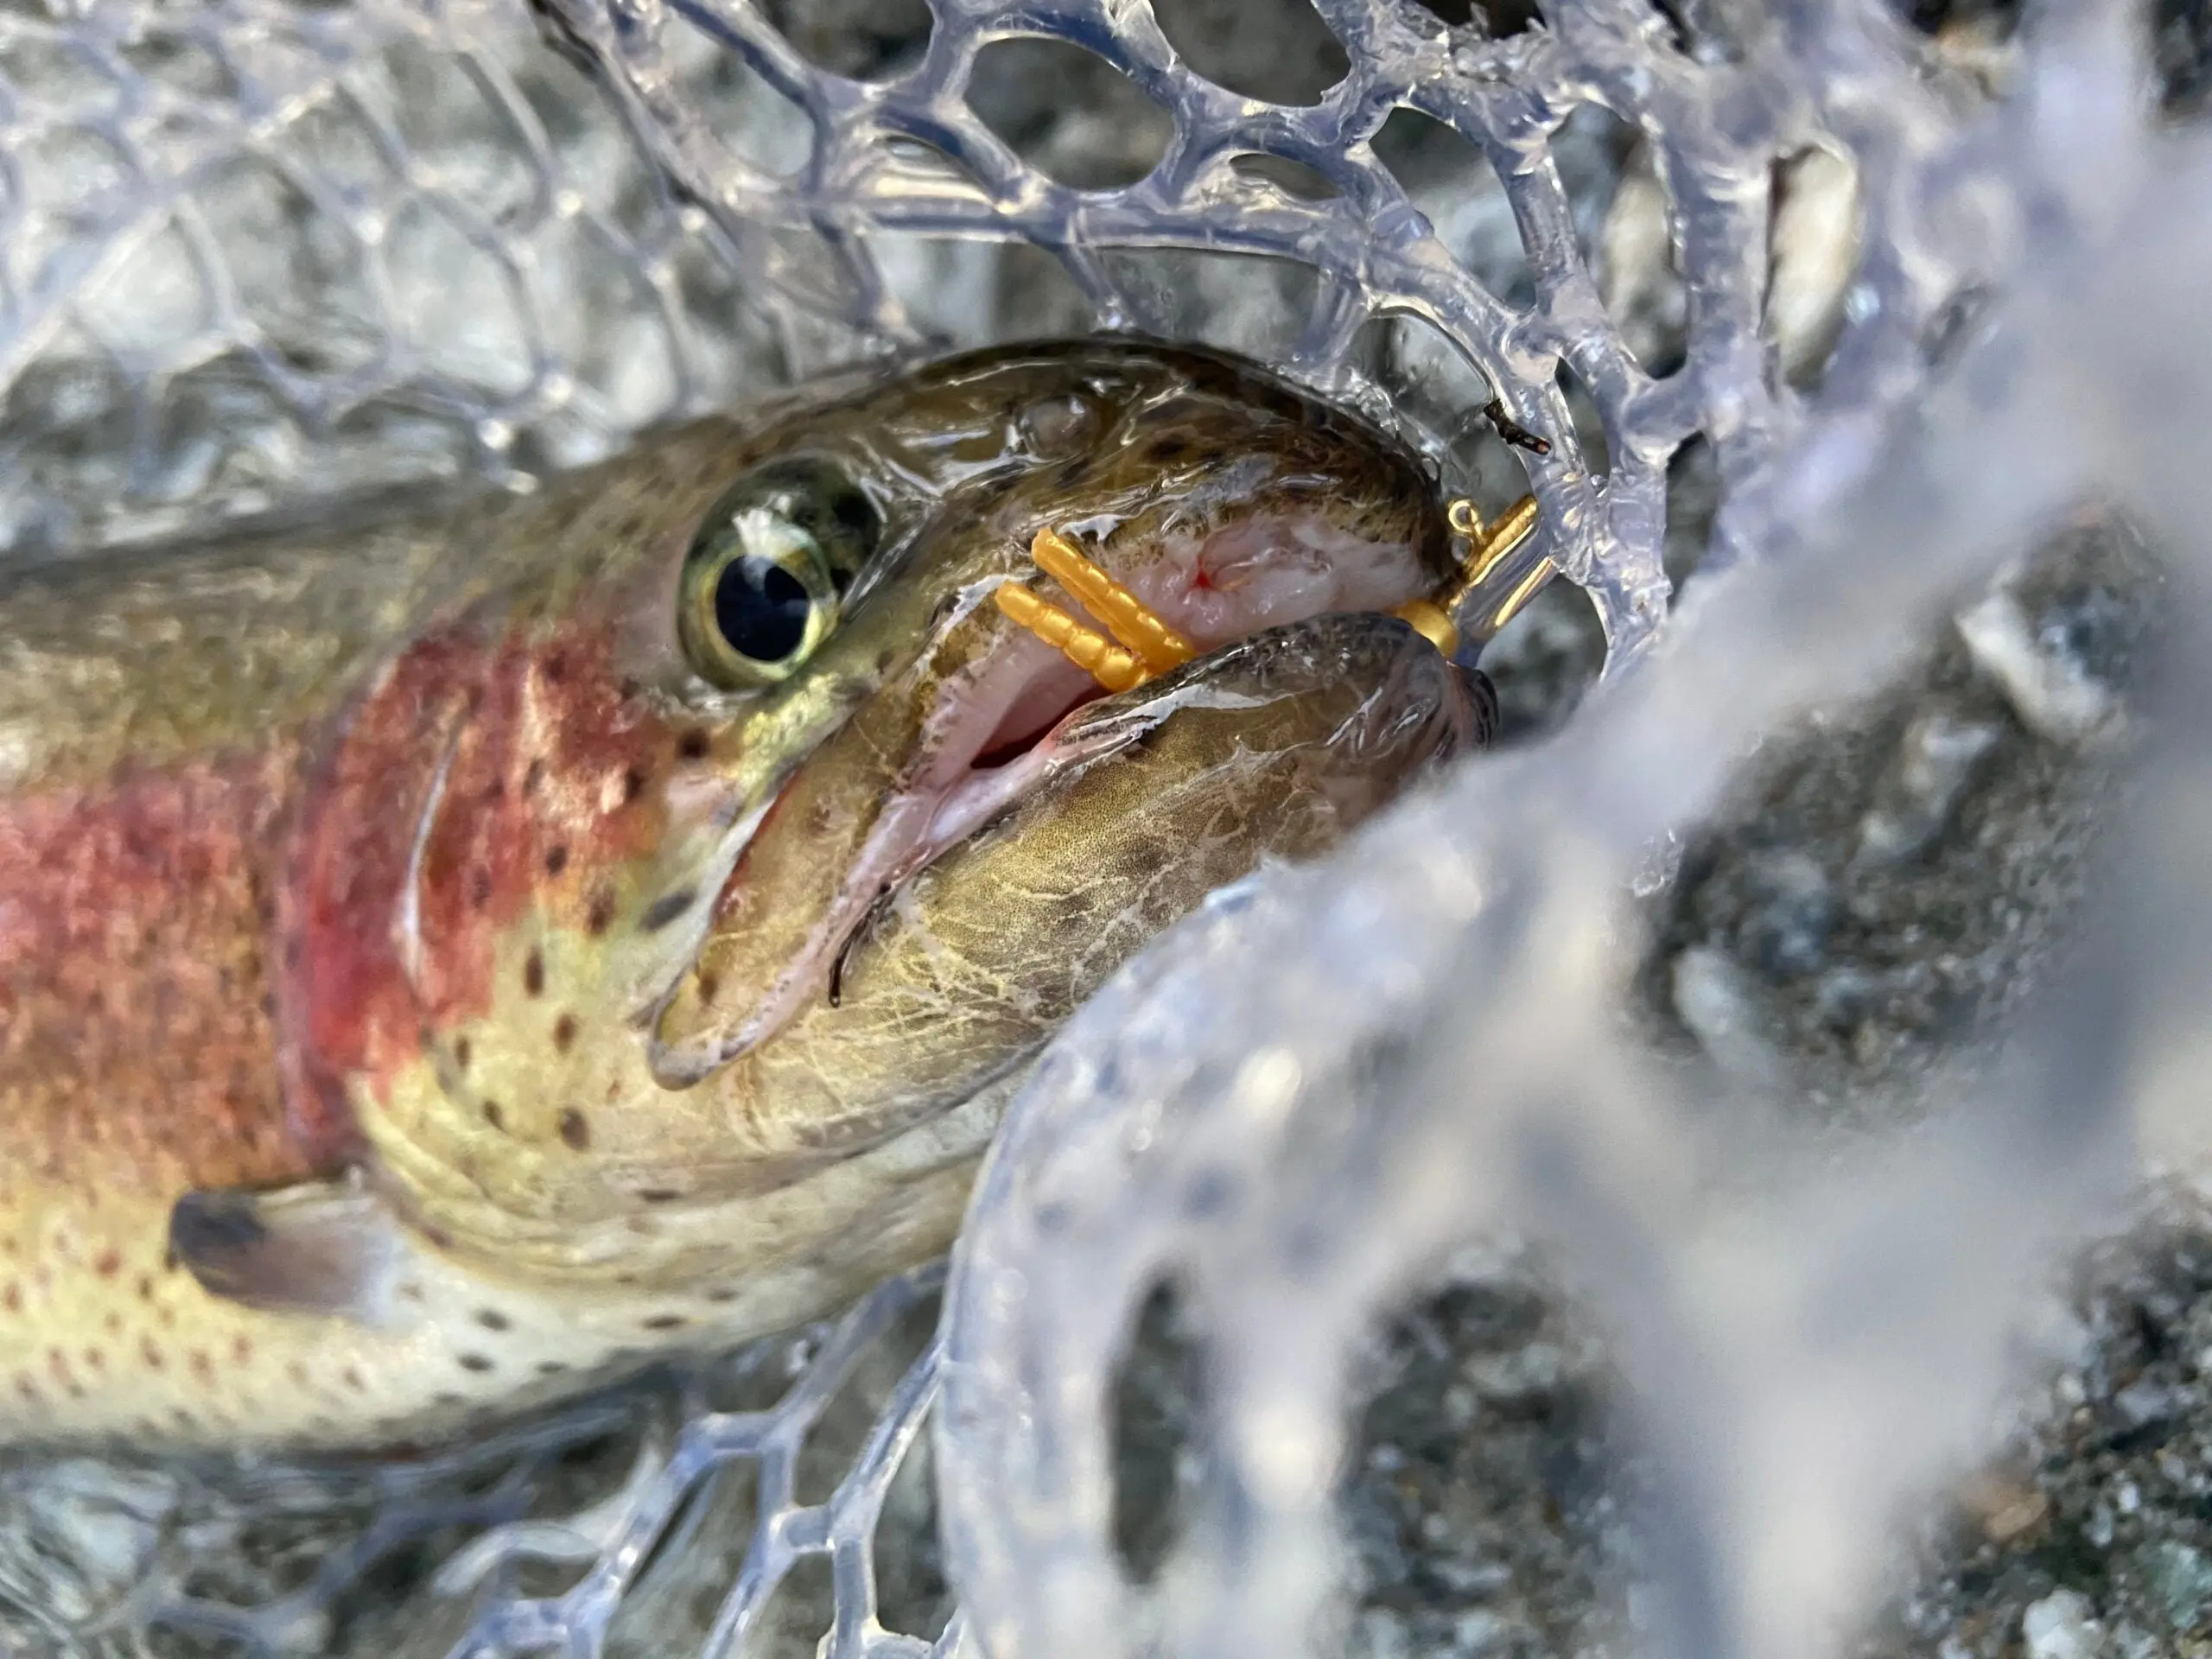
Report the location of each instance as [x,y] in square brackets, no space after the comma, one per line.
[689,934]
[947,799]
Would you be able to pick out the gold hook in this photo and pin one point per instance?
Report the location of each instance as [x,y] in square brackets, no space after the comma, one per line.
[1433,617]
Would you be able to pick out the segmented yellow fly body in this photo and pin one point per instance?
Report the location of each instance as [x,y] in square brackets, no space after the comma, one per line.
[1148,646]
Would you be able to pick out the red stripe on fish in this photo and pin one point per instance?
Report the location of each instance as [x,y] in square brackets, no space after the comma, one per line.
[138,1039]
[486,779]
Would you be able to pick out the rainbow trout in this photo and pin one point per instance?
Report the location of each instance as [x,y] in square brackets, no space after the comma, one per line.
[447,963]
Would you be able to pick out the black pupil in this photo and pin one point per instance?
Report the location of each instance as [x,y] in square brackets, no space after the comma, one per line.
[761,609]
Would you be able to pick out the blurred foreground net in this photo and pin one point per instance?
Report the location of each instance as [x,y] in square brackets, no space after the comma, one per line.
[271,258]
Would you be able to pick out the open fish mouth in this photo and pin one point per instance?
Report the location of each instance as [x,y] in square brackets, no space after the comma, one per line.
[1261,573]
[1019,718]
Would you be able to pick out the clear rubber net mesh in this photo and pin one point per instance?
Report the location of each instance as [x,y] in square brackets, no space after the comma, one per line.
[1843,314]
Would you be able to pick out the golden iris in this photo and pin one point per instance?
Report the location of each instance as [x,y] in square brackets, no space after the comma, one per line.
[763,581]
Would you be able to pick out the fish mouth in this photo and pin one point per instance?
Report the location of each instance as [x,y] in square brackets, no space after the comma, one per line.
[1011,725]
[1007,732]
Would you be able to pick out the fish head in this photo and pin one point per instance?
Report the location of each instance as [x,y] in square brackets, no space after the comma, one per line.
[720,829]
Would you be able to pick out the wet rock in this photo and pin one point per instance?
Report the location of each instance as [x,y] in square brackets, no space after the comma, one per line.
[1501,1532]
[2113,1456]
[1890,881]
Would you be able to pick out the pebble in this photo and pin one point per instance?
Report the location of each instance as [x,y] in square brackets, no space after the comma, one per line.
[1721,1006]
[2181,1578]
[2006,1509]
[1477,1632]
[2047,687]
[2060,1627]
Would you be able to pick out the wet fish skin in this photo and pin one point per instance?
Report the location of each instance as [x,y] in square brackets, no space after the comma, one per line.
[421,992]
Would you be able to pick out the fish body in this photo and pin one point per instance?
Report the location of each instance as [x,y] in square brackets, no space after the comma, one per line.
[447,963]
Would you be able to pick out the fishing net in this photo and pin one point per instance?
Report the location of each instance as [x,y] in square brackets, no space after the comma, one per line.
[1290,1288]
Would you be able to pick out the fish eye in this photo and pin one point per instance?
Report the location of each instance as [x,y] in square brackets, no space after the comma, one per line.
[764,579]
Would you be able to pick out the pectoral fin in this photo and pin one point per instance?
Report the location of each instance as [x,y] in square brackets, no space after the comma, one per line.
[330,1247]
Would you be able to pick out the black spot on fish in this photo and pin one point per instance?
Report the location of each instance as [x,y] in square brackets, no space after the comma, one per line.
[203,1224]
[666,909]
[575,1128]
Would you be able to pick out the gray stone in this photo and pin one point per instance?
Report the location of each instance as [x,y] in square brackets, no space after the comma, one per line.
[2059,1627]
[2180,1578]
